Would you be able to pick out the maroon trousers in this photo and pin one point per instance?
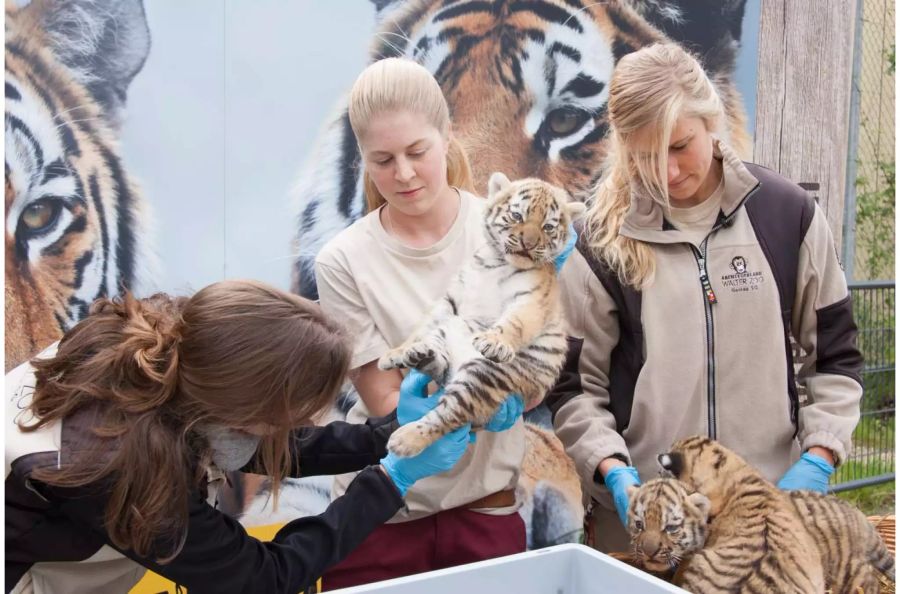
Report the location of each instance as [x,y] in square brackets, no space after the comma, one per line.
[445,539]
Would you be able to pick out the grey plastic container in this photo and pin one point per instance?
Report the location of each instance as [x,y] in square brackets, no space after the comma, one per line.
[563,569]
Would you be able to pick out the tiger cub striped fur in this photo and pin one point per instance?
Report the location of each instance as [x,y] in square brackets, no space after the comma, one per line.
[756,540]
[666,523]
[499,327]
[851,549]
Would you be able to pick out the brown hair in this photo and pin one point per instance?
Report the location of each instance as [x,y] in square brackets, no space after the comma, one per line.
[240,354]
[400,84]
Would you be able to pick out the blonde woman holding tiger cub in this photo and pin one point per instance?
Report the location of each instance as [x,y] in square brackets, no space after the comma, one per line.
[693,273]
[381,276]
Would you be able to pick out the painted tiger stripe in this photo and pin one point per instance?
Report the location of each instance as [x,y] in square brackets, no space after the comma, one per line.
[94,187]
[12,93]
[465,9]
[350,163]
[548,12]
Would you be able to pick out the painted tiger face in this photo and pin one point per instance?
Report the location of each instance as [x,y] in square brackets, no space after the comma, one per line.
[666,522]
[528,219]
[527,85]
[527,82]
[72,216]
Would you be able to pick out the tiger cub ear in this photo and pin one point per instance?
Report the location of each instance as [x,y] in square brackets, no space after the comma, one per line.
[631,491]
[701,502]
[575,209]
[672,463]
[497,183]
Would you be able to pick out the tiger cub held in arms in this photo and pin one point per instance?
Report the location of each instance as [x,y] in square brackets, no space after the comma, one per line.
[498,329]
[756,541]
[667,524]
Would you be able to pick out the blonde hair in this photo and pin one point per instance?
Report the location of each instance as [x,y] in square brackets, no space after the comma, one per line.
[398,84]
[650,89]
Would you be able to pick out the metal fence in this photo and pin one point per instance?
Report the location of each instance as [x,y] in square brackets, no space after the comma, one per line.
[869,207]
[872,459]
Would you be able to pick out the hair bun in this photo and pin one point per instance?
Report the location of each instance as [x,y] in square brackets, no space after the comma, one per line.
[148,352]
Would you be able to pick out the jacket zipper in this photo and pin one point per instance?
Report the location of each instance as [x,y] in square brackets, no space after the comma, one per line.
[709,299]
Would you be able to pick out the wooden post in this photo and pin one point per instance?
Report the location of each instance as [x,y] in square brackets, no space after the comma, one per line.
[803,96]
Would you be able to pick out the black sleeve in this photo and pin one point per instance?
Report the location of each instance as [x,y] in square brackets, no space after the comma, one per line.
[219,557]
[336,448]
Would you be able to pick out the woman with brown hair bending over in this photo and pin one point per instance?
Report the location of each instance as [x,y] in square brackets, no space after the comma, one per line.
[118,437]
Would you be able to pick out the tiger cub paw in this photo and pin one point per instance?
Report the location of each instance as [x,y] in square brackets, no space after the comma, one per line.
[493,346]
[413,356]
[409,440]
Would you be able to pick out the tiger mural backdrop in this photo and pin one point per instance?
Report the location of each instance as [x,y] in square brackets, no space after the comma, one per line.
[75,222]
[526,83]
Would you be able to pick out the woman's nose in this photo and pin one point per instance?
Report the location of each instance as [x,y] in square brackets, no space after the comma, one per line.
[404,171]
[672,170]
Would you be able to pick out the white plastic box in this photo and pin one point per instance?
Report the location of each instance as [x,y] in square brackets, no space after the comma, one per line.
[563,569]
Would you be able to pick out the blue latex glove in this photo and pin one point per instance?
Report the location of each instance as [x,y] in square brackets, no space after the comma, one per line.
[415,402]
[810,473]
[617,481]
[567,249]
[439,457]
[507,415]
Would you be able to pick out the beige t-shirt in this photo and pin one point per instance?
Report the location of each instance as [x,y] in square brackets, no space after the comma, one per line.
[697,221]
[381,289]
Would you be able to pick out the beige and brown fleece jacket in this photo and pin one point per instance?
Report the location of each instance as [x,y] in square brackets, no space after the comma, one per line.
[703,349]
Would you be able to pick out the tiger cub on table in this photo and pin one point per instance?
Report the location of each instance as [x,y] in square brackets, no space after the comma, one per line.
[668,524]
[498,329]
[851,549]
[756,542]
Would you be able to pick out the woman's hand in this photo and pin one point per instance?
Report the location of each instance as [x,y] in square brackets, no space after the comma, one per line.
[567,249]
[506,416]
[439,457]
[811,472]
[415,402]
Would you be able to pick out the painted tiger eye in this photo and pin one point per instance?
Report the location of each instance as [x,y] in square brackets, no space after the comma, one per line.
[37,215]
[566,121]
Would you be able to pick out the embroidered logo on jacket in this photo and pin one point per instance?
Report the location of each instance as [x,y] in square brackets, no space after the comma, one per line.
[743,279]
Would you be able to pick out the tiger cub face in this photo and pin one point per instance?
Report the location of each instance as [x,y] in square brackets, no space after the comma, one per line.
[73,218]
[666,523]
[528,220]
